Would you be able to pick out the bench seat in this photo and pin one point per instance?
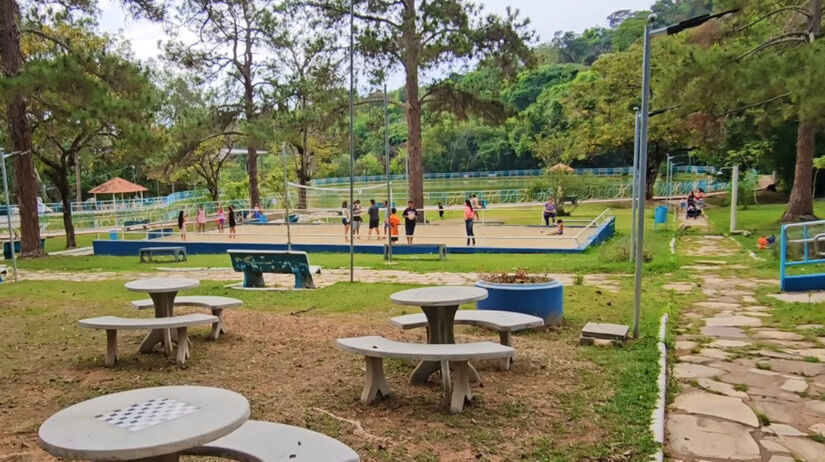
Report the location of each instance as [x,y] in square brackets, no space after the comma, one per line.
[112,324]
[178,252]
[257,441]
[253,263]
[503,322]
[214,303]
[411,249]
[376,348]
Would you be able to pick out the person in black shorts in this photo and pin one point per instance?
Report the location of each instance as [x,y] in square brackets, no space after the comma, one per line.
[372,212]
[232,222]
[410,216]
[356,219]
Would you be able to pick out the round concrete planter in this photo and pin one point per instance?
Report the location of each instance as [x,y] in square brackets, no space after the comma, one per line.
[544,300]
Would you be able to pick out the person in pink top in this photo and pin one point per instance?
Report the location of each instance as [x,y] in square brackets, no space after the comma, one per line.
[469,216]
[220,219]
[201,220]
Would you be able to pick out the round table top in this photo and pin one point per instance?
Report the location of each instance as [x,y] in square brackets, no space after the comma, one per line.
[161,285]
[146,422]
[439,296]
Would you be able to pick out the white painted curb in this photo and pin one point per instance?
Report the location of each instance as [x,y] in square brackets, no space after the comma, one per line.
[657,424]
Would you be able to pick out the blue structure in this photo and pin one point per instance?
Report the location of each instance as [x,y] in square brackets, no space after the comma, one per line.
[545,300]
[130,248]
[802,246]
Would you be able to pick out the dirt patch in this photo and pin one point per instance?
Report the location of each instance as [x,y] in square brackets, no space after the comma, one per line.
[288,367]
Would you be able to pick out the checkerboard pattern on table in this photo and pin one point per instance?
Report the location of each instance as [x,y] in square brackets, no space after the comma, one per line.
[147,413]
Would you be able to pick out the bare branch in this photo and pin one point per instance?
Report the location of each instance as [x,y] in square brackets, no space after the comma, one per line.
[773,13]
[784,38]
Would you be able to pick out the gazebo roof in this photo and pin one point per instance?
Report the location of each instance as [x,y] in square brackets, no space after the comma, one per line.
[117,185]
[561,168]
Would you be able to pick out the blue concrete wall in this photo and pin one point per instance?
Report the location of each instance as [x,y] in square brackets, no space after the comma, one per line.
[127,248]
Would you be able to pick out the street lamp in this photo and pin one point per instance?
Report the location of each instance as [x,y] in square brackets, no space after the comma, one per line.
[3,157]
[643,128]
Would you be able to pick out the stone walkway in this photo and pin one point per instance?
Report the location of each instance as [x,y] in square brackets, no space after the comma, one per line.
[748,392]
[607,282]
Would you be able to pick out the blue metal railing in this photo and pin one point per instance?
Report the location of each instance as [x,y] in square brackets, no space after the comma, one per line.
[604,171]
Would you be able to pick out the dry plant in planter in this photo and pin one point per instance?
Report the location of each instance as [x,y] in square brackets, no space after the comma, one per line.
[519,277]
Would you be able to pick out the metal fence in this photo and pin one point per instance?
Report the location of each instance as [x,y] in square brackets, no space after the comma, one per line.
[605,171]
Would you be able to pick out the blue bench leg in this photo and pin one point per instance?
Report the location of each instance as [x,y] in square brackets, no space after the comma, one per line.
[253,279]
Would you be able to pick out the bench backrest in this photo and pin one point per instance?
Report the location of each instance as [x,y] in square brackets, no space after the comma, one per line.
[269,261]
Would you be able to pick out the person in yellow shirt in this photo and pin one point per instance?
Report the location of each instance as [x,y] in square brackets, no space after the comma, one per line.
[394,222]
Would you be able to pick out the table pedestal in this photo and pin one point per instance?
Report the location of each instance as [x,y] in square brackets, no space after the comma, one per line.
[440,330]
[166,458]
[164,303]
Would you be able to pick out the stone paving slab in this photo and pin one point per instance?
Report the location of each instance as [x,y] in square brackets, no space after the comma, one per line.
[721,388]
[776,334]
[723,407]
[732,321]
[694,371]
[804,448]
[704,437]
[723,332]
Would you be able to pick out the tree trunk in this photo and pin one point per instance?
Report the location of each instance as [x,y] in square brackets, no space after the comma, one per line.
[304,176]
[801,205]
[251,150]
[411,47]
[61,183]
[252,168]
[20,132]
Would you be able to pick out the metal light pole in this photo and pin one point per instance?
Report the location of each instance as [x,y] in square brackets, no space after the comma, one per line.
[645,116]
[387,171]
[351,136]
[286,201]
[634,204]
[3,158]
[642,179]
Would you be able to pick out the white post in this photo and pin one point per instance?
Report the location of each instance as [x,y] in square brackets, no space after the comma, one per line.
[286,201]
[8,213]
[734,197]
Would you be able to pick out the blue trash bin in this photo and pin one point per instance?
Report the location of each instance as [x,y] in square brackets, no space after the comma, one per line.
[661,215]
[112,234]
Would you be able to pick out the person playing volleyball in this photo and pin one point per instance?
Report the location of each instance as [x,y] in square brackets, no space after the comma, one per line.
[372,212]
[345,219]
[394,221]
[410,216]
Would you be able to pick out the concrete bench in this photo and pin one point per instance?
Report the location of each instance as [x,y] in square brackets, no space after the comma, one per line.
[112,324]
[503,322]
[412,249]
[179,253]
[253,263]
[257,441]
[375,349]
[215,304]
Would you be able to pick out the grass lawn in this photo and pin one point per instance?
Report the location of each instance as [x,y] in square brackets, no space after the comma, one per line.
[560,402]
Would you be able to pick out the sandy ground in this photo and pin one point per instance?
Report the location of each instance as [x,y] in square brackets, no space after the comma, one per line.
[327,277]
[449,232]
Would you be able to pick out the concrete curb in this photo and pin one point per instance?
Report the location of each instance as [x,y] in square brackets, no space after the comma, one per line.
[657,424]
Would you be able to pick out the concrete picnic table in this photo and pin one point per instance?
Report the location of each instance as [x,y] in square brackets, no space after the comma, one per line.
[440,304]
[163,292]
[150,424]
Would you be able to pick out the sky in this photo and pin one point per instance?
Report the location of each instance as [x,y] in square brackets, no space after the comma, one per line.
[547,17]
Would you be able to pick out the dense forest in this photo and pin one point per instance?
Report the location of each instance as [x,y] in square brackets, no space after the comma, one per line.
[743,89]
